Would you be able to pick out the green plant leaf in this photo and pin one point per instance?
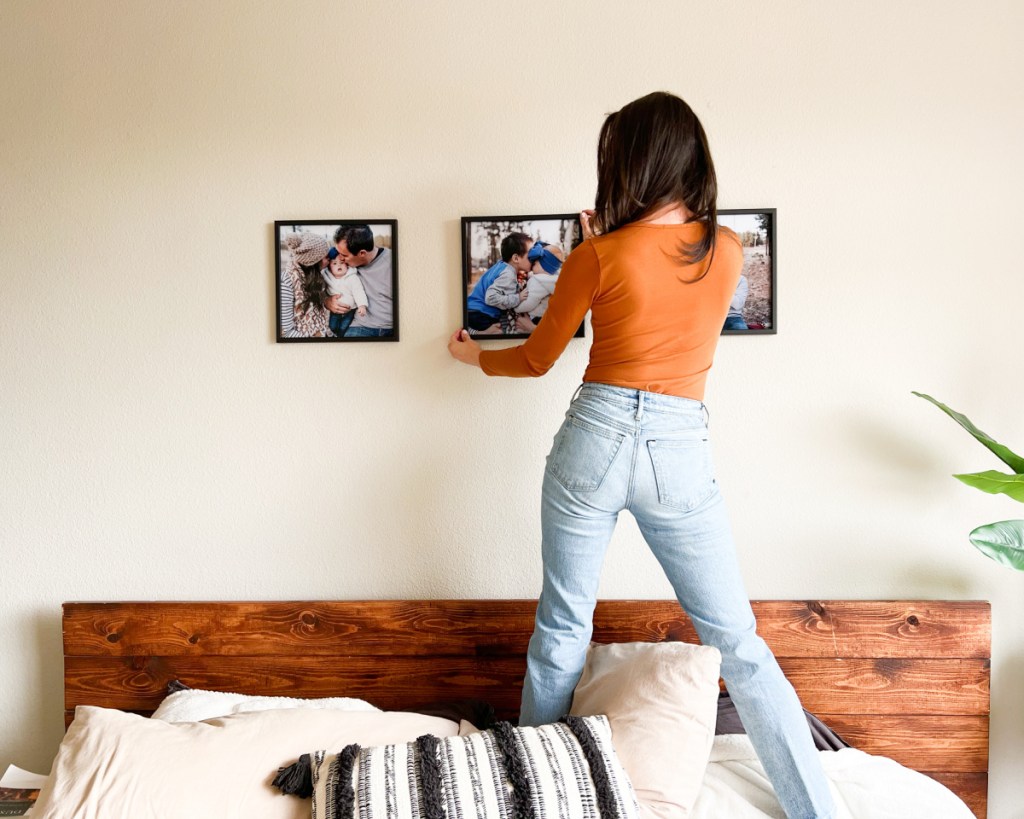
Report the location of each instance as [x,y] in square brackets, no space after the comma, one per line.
[1003,542]
[996,483]
[1008,457]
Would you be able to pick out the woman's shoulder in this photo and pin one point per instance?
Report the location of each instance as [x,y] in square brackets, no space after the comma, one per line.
[587,249]
[729,244]
[729,234]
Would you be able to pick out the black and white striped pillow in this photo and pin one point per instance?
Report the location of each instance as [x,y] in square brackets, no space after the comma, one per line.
[566,770]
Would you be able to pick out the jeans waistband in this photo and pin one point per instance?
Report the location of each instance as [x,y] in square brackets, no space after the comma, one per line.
[641,400]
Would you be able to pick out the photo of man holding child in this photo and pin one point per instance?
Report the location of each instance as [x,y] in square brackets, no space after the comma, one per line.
[336,281]
[510,269]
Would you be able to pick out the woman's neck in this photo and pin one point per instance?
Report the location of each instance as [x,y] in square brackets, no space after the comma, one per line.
[672,214]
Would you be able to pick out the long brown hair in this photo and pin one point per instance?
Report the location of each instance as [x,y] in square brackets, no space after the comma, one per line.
[652,153]
[314,288]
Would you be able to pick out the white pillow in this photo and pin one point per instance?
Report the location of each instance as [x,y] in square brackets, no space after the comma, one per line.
[195,704]
[662,702]
[113,764]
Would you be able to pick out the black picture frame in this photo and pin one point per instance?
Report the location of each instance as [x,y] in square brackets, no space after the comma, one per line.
[385,235]
[756,226]
[481,242]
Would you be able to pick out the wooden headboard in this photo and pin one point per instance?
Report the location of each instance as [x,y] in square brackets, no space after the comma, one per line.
[906,679]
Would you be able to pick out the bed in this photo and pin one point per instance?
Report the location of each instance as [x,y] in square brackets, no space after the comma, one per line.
[908,680]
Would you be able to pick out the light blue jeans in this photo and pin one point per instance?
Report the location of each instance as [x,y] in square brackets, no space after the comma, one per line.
[649,453]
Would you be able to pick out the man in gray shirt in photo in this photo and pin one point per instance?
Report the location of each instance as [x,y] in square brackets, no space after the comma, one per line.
[373,264]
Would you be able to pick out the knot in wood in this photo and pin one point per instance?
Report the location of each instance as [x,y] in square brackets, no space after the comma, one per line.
[113,637]
[816,608]
[913,621]
[308,619]
[193,639]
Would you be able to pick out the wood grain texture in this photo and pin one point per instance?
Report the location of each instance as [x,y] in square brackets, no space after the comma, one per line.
[906,679]
[936,687]
[830,628]
[971,787]
[140,683]
[876,629]
[924,743]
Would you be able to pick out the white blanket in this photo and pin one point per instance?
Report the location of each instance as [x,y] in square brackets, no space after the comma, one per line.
[864,787]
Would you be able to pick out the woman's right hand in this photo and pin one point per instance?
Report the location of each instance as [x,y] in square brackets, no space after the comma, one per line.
[463,348]
[587,223]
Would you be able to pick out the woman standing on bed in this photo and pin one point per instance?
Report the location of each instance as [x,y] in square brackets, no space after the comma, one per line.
[657,274]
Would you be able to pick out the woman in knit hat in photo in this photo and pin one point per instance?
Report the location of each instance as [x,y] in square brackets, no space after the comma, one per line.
[303,289]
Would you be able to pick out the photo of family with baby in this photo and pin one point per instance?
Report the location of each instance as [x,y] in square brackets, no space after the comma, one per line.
[336,281]
[510,268]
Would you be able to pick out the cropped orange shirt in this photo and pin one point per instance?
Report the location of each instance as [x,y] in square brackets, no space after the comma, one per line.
[652,331]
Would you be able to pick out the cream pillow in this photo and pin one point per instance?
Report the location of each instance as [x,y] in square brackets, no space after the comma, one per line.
[195,704]
[662,702]
[112,764]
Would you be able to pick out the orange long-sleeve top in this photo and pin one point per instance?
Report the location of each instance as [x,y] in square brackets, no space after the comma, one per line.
[652,331]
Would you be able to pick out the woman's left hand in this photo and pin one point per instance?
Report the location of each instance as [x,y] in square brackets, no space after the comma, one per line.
[463,348]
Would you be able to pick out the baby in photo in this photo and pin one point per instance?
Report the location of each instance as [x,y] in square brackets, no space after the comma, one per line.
[547,264]
[344,281]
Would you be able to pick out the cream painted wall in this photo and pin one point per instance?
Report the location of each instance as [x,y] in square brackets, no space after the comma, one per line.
[156,443]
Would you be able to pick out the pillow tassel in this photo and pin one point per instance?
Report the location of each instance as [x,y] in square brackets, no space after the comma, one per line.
[430,777]
[515,768]
[598,772]
[296,779]
[344,792]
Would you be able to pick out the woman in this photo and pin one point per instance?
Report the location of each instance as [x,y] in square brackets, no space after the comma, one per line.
[657,274]
[303,288]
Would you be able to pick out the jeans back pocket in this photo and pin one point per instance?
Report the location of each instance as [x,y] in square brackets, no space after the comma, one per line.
[682,470]
[582,454]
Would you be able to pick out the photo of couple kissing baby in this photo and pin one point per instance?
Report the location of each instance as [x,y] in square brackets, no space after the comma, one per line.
[336,281]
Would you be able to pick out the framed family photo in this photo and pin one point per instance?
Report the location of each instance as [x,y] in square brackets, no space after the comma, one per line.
[510,265]
[337,280]
[752,310]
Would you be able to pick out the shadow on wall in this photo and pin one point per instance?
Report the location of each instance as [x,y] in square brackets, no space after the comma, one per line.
[933,582]
[44,714]
[888,569]
[904,459]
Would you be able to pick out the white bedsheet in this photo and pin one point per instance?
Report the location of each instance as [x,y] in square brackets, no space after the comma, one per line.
[864,786]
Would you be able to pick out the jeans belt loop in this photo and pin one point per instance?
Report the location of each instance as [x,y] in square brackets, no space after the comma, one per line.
[639,406]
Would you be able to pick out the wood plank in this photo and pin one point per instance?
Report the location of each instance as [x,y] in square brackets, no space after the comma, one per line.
[853,629]
[890,686]
[141,683]
[384,628]
[833,686]
[971,787]
[877,628]
[956,743]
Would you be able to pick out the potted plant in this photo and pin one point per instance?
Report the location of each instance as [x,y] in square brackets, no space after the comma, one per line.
[1002,541]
